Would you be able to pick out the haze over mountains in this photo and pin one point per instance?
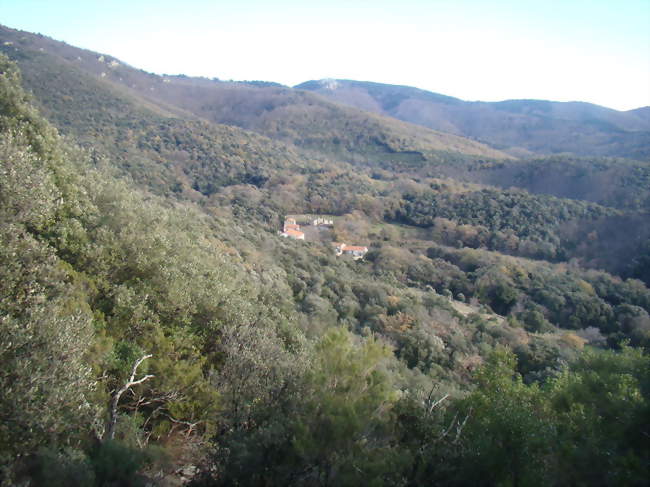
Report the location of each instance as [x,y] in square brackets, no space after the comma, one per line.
[278,112]
[517,126]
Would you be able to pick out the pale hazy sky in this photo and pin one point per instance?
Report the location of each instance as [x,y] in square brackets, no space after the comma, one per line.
[596,51]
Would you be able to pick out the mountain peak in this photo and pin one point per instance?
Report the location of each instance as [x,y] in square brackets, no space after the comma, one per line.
[329,84]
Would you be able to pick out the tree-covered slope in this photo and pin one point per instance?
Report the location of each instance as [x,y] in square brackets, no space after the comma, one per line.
[162,338]
[517,126]
[278,112]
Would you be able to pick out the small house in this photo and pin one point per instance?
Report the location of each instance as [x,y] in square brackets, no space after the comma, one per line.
[295,234]
[290,226]
[322,221]
[355,251]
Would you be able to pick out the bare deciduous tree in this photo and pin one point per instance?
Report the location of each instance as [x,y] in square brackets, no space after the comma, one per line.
[112,422]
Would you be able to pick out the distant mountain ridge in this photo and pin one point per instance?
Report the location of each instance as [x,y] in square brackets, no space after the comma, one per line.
[350,119]
[297,117]
[517,126]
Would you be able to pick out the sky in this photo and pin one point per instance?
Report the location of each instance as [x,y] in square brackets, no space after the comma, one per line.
[571,50]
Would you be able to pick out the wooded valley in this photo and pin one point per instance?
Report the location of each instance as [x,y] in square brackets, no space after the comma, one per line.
[156,330]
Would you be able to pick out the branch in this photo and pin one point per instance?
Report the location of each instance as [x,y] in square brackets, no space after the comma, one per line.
[451,425]
[116,398]
[437,402]
[459,428]
[135,369]
[191,426]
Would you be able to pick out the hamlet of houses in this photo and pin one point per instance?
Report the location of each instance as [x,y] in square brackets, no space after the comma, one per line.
[291,229]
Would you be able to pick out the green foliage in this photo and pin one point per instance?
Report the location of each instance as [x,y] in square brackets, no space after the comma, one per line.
[61,468]
[17,115]
[45,330]
[273,362]
[508,438]
[603,405]
[617,183]
[79,247]
[258,371]
[27,192]
[511,221]
[640,266]
[348,398]
[116,464]
[542,296]
[587,427]
[326,424]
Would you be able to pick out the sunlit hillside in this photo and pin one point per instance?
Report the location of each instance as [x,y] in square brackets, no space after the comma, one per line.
[214,283]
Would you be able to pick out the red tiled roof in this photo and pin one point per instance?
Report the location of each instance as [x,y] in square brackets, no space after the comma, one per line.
[294,233]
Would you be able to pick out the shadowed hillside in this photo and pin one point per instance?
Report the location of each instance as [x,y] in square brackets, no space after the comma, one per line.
[293,116]
[516,126]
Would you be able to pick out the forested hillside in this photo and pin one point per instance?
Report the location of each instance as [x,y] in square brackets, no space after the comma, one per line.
[515,126]
[54,68]
[156,330]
